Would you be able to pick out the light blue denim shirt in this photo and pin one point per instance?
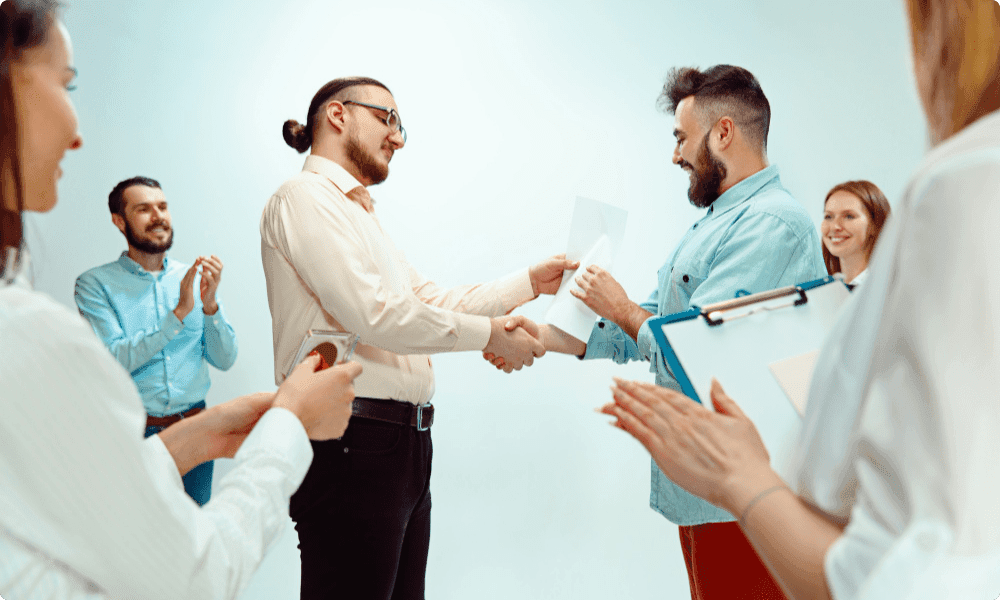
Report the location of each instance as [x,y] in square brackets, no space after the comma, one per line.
[754,238]
[132,311]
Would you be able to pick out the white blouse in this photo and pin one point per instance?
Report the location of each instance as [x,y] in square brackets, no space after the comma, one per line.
[88,508]
[902,433]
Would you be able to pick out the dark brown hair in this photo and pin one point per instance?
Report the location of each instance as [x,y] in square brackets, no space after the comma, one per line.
[300,136]
[875,205]
[722,90]
[116,199]
[23,25]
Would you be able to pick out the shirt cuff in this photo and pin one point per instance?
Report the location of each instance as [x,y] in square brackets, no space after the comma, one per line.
[646,342]
[215,320]
[171,325]
[473,332]
[280,432]
[159,452]
[517,288]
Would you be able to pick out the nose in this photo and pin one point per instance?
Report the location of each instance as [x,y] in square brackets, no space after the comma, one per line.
[677,155]
[396,139]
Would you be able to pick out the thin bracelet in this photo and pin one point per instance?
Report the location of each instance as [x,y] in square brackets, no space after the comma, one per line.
[757,499]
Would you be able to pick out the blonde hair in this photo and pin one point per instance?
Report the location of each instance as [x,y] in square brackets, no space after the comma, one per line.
[956,52]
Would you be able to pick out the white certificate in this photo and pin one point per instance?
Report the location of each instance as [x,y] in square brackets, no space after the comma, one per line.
[595,236]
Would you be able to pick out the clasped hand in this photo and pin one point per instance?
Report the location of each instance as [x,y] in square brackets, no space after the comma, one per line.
[513,342]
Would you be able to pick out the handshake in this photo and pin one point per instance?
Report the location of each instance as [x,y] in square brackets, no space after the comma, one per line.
[515,342]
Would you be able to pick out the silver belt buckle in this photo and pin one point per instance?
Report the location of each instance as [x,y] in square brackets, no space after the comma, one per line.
[420,418]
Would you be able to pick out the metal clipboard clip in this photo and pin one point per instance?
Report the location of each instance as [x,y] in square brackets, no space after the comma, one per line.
[721,312]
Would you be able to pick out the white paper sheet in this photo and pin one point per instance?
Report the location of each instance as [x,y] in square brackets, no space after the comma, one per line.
[793,375]
[595,236]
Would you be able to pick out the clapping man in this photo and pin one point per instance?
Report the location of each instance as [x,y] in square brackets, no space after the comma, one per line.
[145,309]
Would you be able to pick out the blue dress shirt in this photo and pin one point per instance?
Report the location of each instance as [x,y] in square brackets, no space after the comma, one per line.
[132,311]
[755,237]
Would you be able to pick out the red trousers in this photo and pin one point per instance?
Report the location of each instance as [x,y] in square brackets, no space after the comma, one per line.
[722,565]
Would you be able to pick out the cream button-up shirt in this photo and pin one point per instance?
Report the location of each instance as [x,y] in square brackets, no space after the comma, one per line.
[330,265]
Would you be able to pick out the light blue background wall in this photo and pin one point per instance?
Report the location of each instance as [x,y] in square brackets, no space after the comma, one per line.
[513,109]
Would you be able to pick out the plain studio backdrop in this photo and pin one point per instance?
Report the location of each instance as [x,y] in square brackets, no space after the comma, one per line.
[513,109]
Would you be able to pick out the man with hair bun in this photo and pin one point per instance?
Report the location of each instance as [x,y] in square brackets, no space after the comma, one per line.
[754,237]
[363,512]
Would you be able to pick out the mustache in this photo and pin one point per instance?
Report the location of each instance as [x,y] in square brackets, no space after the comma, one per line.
[683,163]
[156,224]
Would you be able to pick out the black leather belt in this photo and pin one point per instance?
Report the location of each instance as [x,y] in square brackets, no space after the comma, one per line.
[169,420]
[420,416]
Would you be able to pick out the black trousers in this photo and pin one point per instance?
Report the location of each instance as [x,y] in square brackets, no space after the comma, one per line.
[363,514]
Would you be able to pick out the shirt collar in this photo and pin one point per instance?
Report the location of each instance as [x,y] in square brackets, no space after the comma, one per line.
[15,266]
[136,269]
[337,174]
[744,190]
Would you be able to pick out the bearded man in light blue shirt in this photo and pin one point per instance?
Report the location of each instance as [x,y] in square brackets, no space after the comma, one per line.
[754,237]
[144,308]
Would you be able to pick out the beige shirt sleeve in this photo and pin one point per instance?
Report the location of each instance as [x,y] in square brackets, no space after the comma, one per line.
[359,278]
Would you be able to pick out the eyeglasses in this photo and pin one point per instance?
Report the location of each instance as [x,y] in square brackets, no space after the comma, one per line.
[391,120]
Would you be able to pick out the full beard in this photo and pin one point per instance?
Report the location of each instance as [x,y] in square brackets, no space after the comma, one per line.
[705,189]
[147,246]
[370,168]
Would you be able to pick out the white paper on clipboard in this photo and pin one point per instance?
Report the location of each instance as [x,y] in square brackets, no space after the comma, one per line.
[595,236]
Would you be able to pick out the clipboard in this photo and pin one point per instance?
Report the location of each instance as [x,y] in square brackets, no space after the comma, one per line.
[740,341]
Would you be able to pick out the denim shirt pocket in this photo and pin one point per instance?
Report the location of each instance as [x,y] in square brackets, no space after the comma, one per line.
[684,279]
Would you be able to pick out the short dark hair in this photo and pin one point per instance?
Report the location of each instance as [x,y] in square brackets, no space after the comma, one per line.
[722,90]
[300,136]
[116,199]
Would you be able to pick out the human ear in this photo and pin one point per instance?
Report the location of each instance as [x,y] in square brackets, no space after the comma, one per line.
[119,222]
[335,115]
[725,132]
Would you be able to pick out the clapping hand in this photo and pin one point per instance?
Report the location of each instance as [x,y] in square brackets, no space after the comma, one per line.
[718,456]
[211,275]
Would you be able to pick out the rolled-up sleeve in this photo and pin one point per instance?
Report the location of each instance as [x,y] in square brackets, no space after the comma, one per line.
[608,340]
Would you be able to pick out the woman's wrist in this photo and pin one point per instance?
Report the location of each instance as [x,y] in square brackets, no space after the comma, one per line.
[742,493]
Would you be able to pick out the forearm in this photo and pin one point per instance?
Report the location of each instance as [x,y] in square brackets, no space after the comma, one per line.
[186,441]
[557,340]
[792,539]
[630,319]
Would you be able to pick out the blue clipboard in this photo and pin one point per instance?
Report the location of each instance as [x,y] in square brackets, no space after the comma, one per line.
[670,356]
[744,343]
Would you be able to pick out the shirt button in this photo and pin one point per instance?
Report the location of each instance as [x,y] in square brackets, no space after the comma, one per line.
[695,226]
[600,324]
[686,279]
[168,359]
